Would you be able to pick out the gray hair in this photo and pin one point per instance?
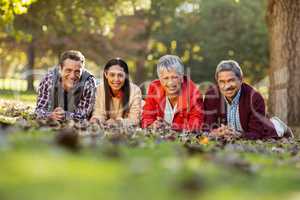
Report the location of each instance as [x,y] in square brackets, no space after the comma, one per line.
[170,62]
[229,65]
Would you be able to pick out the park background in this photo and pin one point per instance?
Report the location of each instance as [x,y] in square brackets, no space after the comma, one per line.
[262,35]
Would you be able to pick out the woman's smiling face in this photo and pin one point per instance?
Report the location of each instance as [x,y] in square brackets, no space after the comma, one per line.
[115,76]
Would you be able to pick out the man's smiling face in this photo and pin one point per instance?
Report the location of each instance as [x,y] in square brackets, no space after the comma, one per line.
[71,71]
[229,84]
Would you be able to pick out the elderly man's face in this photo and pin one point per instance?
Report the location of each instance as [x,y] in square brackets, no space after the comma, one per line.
[229,84]
[171,81]
[71,71]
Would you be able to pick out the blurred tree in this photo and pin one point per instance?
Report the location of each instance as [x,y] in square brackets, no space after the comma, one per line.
[135,36]
[284,32]
[69,24]
[204,32]
[9,9]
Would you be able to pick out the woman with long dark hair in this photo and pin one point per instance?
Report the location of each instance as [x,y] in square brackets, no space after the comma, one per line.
[117,98]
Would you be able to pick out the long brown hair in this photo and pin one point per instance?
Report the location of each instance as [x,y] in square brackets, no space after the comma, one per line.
[125,88]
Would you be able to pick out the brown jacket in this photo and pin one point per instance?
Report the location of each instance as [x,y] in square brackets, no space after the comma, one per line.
[134,114]
[251,109]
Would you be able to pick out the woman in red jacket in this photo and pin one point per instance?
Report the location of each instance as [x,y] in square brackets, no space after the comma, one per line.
[173,100]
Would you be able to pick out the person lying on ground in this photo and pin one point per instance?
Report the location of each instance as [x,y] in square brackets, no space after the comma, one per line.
[173,100]
[233,107]
[118,100]
[66,92]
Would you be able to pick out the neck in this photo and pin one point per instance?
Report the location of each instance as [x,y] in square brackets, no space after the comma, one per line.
[229,100]
[173,100]
[66,87]
[115,92]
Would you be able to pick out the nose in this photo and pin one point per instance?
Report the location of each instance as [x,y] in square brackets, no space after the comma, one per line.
[226,86]
[171,82]
[73,75]
[116,79]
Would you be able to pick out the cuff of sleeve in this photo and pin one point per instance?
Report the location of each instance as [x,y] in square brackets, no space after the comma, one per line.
[43,115]
[68,115]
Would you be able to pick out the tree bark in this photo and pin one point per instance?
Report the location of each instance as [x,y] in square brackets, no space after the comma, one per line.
[283,17]
[30,66]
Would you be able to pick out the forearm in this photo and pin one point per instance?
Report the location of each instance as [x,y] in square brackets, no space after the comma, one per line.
[42,113]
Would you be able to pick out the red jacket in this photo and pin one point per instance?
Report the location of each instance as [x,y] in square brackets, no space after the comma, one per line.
[189,112]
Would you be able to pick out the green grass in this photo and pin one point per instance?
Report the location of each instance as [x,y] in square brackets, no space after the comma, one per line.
[20,96]
[33,167]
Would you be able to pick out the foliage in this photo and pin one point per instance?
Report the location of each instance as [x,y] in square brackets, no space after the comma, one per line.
[51,160]
[205,32]
[10,8]
[202,32]
[49,164]
[50,27]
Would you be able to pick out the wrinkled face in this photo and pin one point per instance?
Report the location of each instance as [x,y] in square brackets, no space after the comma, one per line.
[71,71]
[116,77]
[229,84]
[171,81]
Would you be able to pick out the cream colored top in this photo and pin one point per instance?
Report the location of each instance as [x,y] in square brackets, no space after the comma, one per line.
[135,108]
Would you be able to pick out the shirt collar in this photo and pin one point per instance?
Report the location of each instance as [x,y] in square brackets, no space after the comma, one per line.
[235,100]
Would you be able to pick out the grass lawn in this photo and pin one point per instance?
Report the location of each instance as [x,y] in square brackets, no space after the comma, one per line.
[33,166]
[21,96]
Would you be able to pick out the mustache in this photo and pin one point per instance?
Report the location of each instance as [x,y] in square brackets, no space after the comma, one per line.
[228,89]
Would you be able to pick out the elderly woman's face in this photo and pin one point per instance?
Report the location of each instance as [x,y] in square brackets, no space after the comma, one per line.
[171,81]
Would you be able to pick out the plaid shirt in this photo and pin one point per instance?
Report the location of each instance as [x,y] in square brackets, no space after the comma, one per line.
[233,116]
[83,109]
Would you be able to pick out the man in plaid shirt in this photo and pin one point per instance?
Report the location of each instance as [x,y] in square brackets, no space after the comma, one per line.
[67,91]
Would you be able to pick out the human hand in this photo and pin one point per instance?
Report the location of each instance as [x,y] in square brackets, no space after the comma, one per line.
[159,123]
[110,122]
[57,114]
[223,131]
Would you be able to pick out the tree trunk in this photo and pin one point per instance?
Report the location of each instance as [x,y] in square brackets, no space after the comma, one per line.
[283,17]
[30,66]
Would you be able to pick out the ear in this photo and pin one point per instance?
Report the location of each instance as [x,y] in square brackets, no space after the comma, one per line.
[105,74]
[60,69]
[241,79]
[182,78]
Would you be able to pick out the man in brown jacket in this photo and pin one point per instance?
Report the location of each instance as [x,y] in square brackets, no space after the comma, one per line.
[235,108]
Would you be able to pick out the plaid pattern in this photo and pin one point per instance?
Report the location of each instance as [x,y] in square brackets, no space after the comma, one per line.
[83,109]
[233,116]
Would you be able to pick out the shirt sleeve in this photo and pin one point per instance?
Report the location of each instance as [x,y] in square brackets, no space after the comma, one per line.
[135,108]
[259,126]
[43,98]
[99,111]
[150,111]
[196,113]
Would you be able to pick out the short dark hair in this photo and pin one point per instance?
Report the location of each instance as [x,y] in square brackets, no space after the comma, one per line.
[73,55]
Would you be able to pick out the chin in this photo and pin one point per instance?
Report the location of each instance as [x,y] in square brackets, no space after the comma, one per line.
[115,88]
[172,93]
